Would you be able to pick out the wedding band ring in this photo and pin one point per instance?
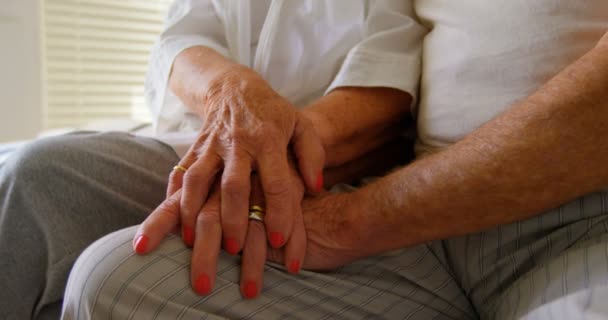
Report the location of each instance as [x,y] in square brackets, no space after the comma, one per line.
[256,208]
[180,168]
[256,215]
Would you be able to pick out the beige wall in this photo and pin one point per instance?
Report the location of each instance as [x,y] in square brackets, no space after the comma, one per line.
[20,69]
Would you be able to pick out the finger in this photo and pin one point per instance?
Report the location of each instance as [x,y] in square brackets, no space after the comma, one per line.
[177,176]
[206,245]
[158,224]
[197,181]
[295,249]
[278,194]
[310,153]
[236,186]
[254,256]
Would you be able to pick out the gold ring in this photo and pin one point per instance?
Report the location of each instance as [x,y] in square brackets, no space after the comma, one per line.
[256,208]
[256,215]
[178,167]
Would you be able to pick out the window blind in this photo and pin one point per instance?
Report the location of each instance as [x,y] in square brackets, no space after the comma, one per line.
[95,58]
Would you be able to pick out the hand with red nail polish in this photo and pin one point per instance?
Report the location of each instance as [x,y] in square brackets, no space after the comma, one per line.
[258,241]
[330,232]
[245,127]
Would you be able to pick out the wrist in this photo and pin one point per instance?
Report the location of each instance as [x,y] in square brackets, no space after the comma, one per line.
[386,215]
[194,71]
[223,81]
[357,223]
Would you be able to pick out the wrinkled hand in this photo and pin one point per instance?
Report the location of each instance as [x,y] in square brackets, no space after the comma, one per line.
[331,232]
[207,243]
[246,127]
[255,250]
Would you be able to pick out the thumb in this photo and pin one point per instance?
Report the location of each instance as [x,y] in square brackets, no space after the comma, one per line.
[310,154]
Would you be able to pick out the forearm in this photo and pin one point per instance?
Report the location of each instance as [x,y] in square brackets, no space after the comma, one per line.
[353,121]
[350,121]
[544,151]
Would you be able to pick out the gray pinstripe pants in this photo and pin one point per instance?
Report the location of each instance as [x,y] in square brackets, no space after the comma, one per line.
[552,266]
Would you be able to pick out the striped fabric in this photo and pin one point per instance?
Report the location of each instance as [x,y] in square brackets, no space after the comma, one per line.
[548,267]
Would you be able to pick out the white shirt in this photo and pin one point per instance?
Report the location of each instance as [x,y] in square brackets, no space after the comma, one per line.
[479,57]
[482,56]
[303,48]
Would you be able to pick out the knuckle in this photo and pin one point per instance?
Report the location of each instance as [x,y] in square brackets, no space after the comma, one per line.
[277,187]
[235,188]
[272,147]
[239,135]
[194,177]
[170,206]
[208,216]
[270,137]
[173,183]
[268,129]
[187,206]
[173,176]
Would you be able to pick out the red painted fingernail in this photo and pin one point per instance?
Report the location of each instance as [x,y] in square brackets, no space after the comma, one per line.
[141,243]
[294,266]
[276,239]
[319,185]
[231,246]
[188,236]
[202,286]
[250,290]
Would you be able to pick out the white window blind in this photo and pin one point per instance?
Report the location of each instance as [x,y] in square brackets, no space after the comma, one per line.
[95,58]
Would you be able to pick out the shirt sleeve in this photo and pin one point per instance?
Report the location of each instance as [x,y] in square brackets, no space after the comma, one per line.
[189,23]
[389,54]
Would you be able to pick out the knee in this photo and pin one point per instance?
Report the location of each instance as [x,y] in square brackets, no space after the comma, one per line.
[35,160]
[109,280]
[91,272]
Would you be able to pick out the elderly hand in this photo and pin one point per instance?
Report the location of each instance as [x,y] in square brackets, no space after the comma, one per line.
[247,127]
[207,242]
[331,231]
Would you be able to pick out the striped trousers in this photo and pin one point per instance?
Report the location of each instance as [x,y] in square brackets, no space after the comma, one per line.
[553,266]
[61,194]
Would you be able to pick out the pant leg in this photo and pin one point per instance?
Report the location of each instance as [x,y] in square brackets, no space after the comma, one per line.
[60,194]
[588,304]
[513,269]
[109,281]
[573,285]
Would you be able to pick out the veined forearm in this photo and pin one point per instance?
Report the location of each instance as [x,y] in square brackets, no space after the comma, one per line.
[353,121]
[544,151]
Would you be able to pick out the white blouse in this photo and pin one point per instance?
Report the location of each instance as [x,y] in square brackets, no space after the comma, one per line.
[303,48]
